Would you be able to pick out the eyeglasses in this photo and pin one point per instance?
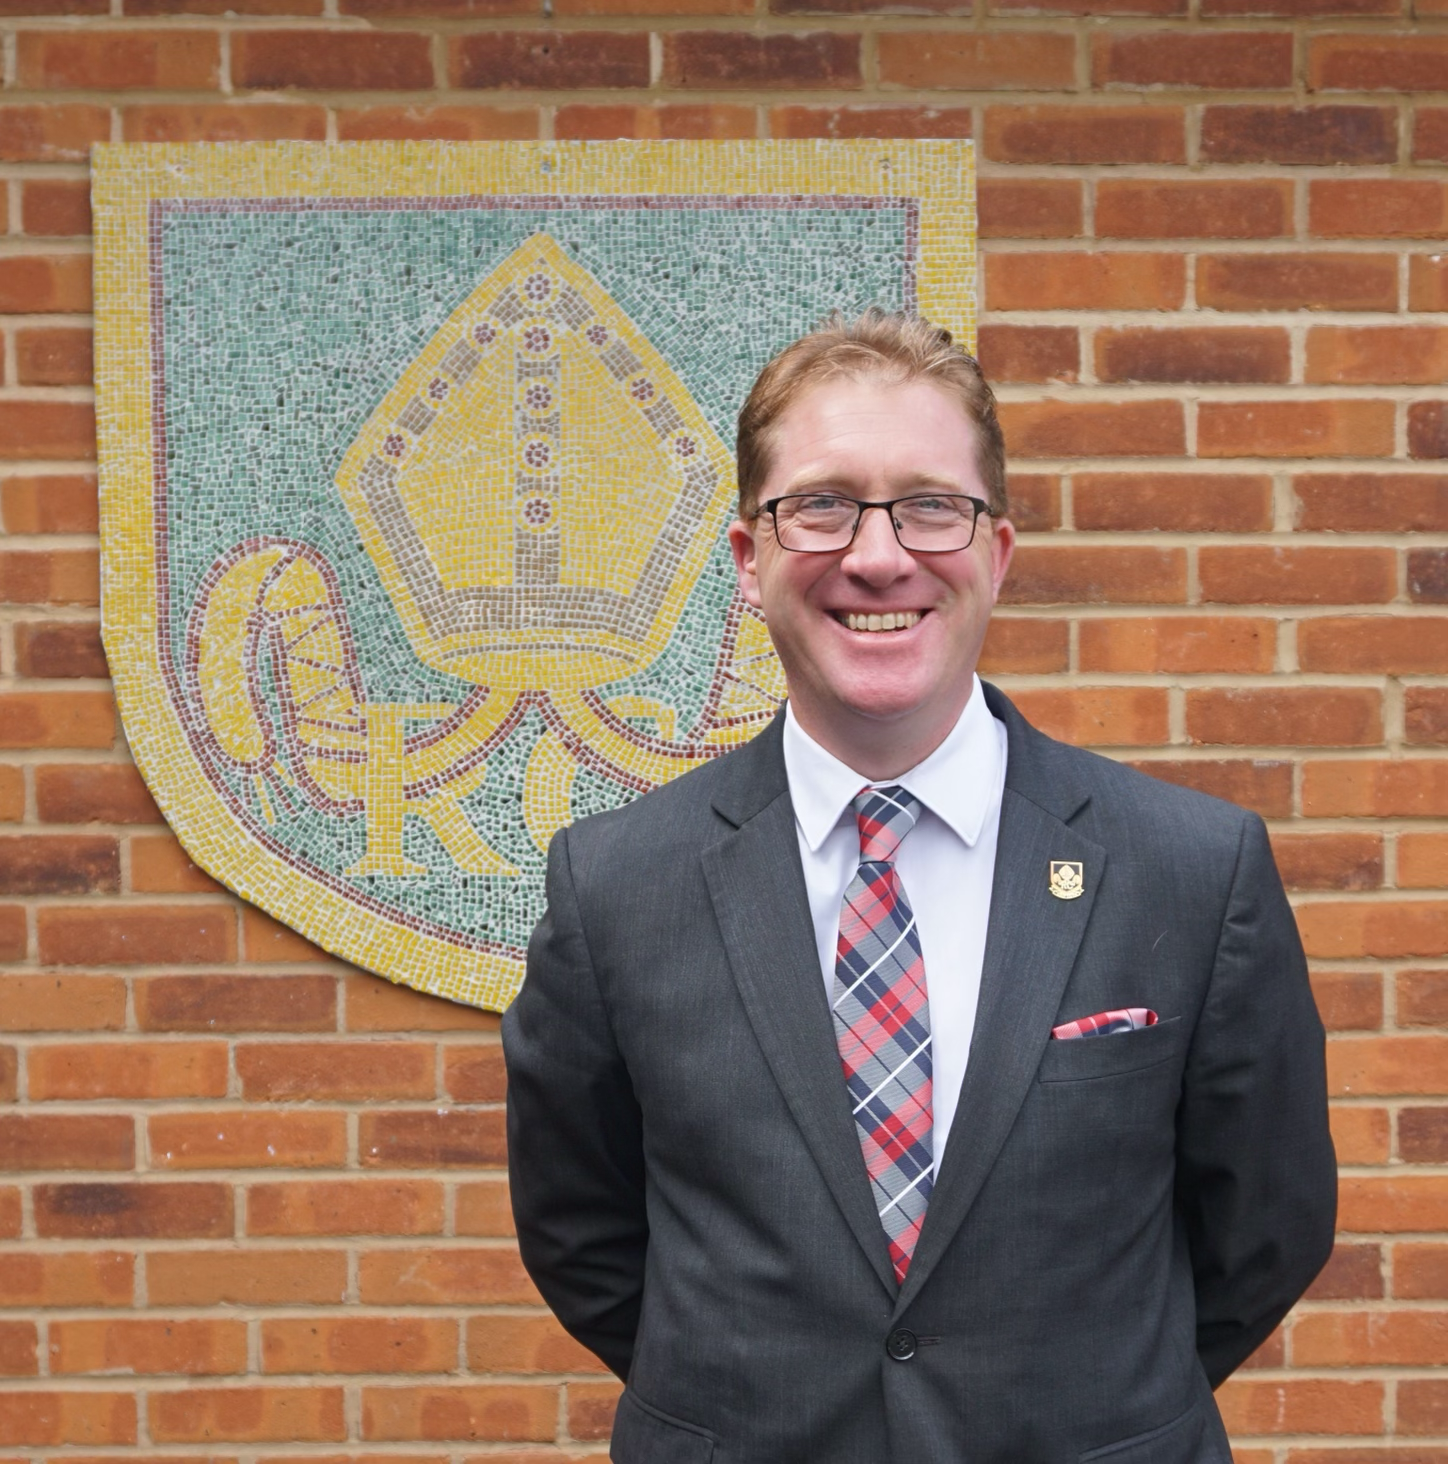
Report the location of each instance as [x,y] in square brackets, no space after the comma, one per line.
[924,523]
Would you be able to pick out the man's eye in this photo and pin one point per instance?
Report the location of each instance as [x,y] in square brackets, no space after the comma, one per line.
[821,503]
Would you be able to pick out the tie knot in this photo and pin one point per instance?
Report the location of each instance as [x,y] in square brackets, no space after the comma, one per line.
[885,816]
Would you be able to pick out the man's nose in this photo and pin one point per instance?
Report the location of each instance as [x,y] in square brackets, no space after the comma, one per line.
[876,554]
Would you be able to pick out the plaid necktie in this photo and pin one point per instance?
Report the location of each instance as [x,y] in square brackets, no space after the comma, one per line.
[882,1022]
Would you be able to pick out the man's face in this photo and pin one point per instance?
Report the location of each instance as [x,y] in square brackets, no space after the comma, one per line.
[852,687]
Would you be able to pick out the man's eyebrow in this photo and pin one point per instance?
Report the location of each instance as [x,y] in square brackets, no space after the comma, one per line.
[812,480]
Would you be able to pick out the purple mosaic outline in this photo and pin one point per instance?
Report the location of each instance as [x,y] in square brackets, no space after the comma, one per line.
[187,713]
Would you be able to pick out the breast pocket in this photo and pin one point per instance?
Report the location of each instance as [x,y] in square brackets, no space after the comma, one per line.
[643,1434]
[1080,1059]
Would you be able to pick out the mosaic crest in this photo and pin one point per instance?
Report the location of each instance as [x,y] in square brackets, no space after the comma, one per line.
[415,472]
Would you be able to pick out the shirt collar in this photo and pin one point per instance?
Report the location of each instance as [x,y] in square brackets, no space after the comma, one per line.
[956,782]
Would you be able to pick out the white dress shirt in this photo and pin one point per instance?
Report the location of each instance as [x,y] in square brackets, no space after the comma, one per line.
[946,865]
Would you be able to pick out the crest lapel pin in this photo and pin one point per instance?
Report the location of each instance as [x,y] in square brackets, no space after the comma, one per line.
[1067,879]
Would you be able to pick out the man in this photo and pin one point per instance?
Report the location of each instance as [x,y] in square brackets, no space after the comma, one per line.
[907,1087]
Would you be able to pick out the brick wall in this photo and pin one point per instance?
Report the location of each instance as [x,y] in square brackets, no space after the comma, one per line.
[252,1205]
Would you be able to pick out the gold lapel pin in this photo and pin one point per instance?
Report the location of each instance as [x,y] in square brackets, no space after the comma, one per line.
[1067,879]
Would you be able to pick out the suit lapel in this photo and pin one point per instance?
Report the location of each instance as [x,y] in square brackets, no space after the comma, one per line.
[1030,949]
[758,891]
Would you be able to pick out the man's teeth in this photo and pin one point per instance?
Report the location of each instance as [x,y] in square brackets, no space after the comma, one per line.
[891,620]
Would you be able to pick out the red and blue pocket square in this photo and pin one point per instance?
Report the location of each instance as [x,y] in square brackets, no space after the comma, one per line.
[1104,1024]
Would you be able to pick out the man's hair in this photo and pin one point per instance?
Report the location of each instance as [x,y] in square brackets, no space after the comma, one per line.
[893,346]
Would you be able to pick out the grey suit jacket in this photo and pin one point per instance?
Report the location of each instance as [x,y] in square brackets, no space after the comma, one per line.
[1117,1221]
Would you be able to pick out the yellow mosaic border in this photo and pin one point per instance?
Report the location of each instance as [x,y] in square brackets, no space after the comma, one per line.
[127,177]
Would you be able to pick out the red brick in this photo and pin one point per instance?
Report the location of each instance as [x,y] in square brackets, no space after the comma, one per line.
[266,940]
[1329,861]
[1295,429]
[1065,428]
[1428,282]
[1386,1066]
[454,124]
[1029,208]
[107,59]
[136,935]
[55,206]
[1420,1271]
[1153,209]
[1395,63]
[484,1208]
[1301,1405]
[345,1207]
[1299,8]
[448,1276]
[1346,1000]
[1422,861]
[1376,1339]
[1373,502]
[1402,788]
[57,719]
[246,1278]
[12,794]
[1085,135]
[1352,1273]
[447,9]
[58,357]
[1029,352]
[529,59]
[147,1345]
[19,1350]
[374,1005]
[1098,574]
[977,61]
[1297,282]
[1098,716]
[50,504]
[35,284]
[223,7]
[1299,135]
[1427,430]
[49,1003]
[245,1140]
[1189,644]
[731,59]
[225,1003]
[1182,502]
[635,8]
[475,1073]
[1307,716]
[1423,1135]
[1428,576]
[501,1343]
[9,1079]
[46,429]
[223,121]
[331,60]
[246,1415]
[10,1213]
[90,1278]
[1025,647]
[93,793]
[66,1140]
[1430,135]
[1247,61]
[159,865]
[1422,998]
[129,1070]
[796,120]
[59,864]
[1377,208]
[1138,353]
[1425,716]
[1071,281]
[338,1071]
[1262,785]
[1387,931]
[60,649]
[502,1411]
[49,577]
[432,1139]
[1384,644]
[1035,501]
[149,1210]
[359,1344]
[705,120]
[1422,1403]
[591,1408]
[52,134]
[45,1418]
[13,938]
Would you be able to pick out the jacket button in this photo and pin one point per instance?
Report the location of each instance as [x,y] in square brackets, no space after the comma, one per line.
[901,1344]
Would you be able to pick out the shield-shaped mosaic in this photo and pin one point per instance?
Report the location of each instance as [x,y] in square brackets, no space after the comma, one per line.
[416,462]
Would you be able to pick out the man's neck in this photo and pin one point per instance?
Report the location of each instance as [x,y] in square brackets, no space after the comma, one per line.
[878,751]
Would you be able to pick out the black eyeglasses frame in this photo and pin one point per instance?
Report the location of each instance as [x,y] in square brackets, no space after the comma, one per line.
[770,507]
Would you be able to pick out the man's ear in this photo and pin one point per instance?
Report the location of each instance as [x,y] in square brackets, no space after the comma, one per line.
[1002,546]
[742,546]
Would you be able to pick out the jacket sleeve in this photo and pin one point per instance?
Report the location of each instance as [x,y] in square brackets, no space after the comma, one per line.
[575,1135]
[1256,1175]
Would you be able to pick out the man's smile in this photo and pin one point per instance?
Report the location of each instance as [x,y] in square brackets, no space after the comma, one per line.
[872,622]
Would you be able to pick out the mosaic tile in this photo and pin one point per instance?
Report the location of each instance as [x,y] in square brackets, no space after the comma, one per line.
[416,461]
